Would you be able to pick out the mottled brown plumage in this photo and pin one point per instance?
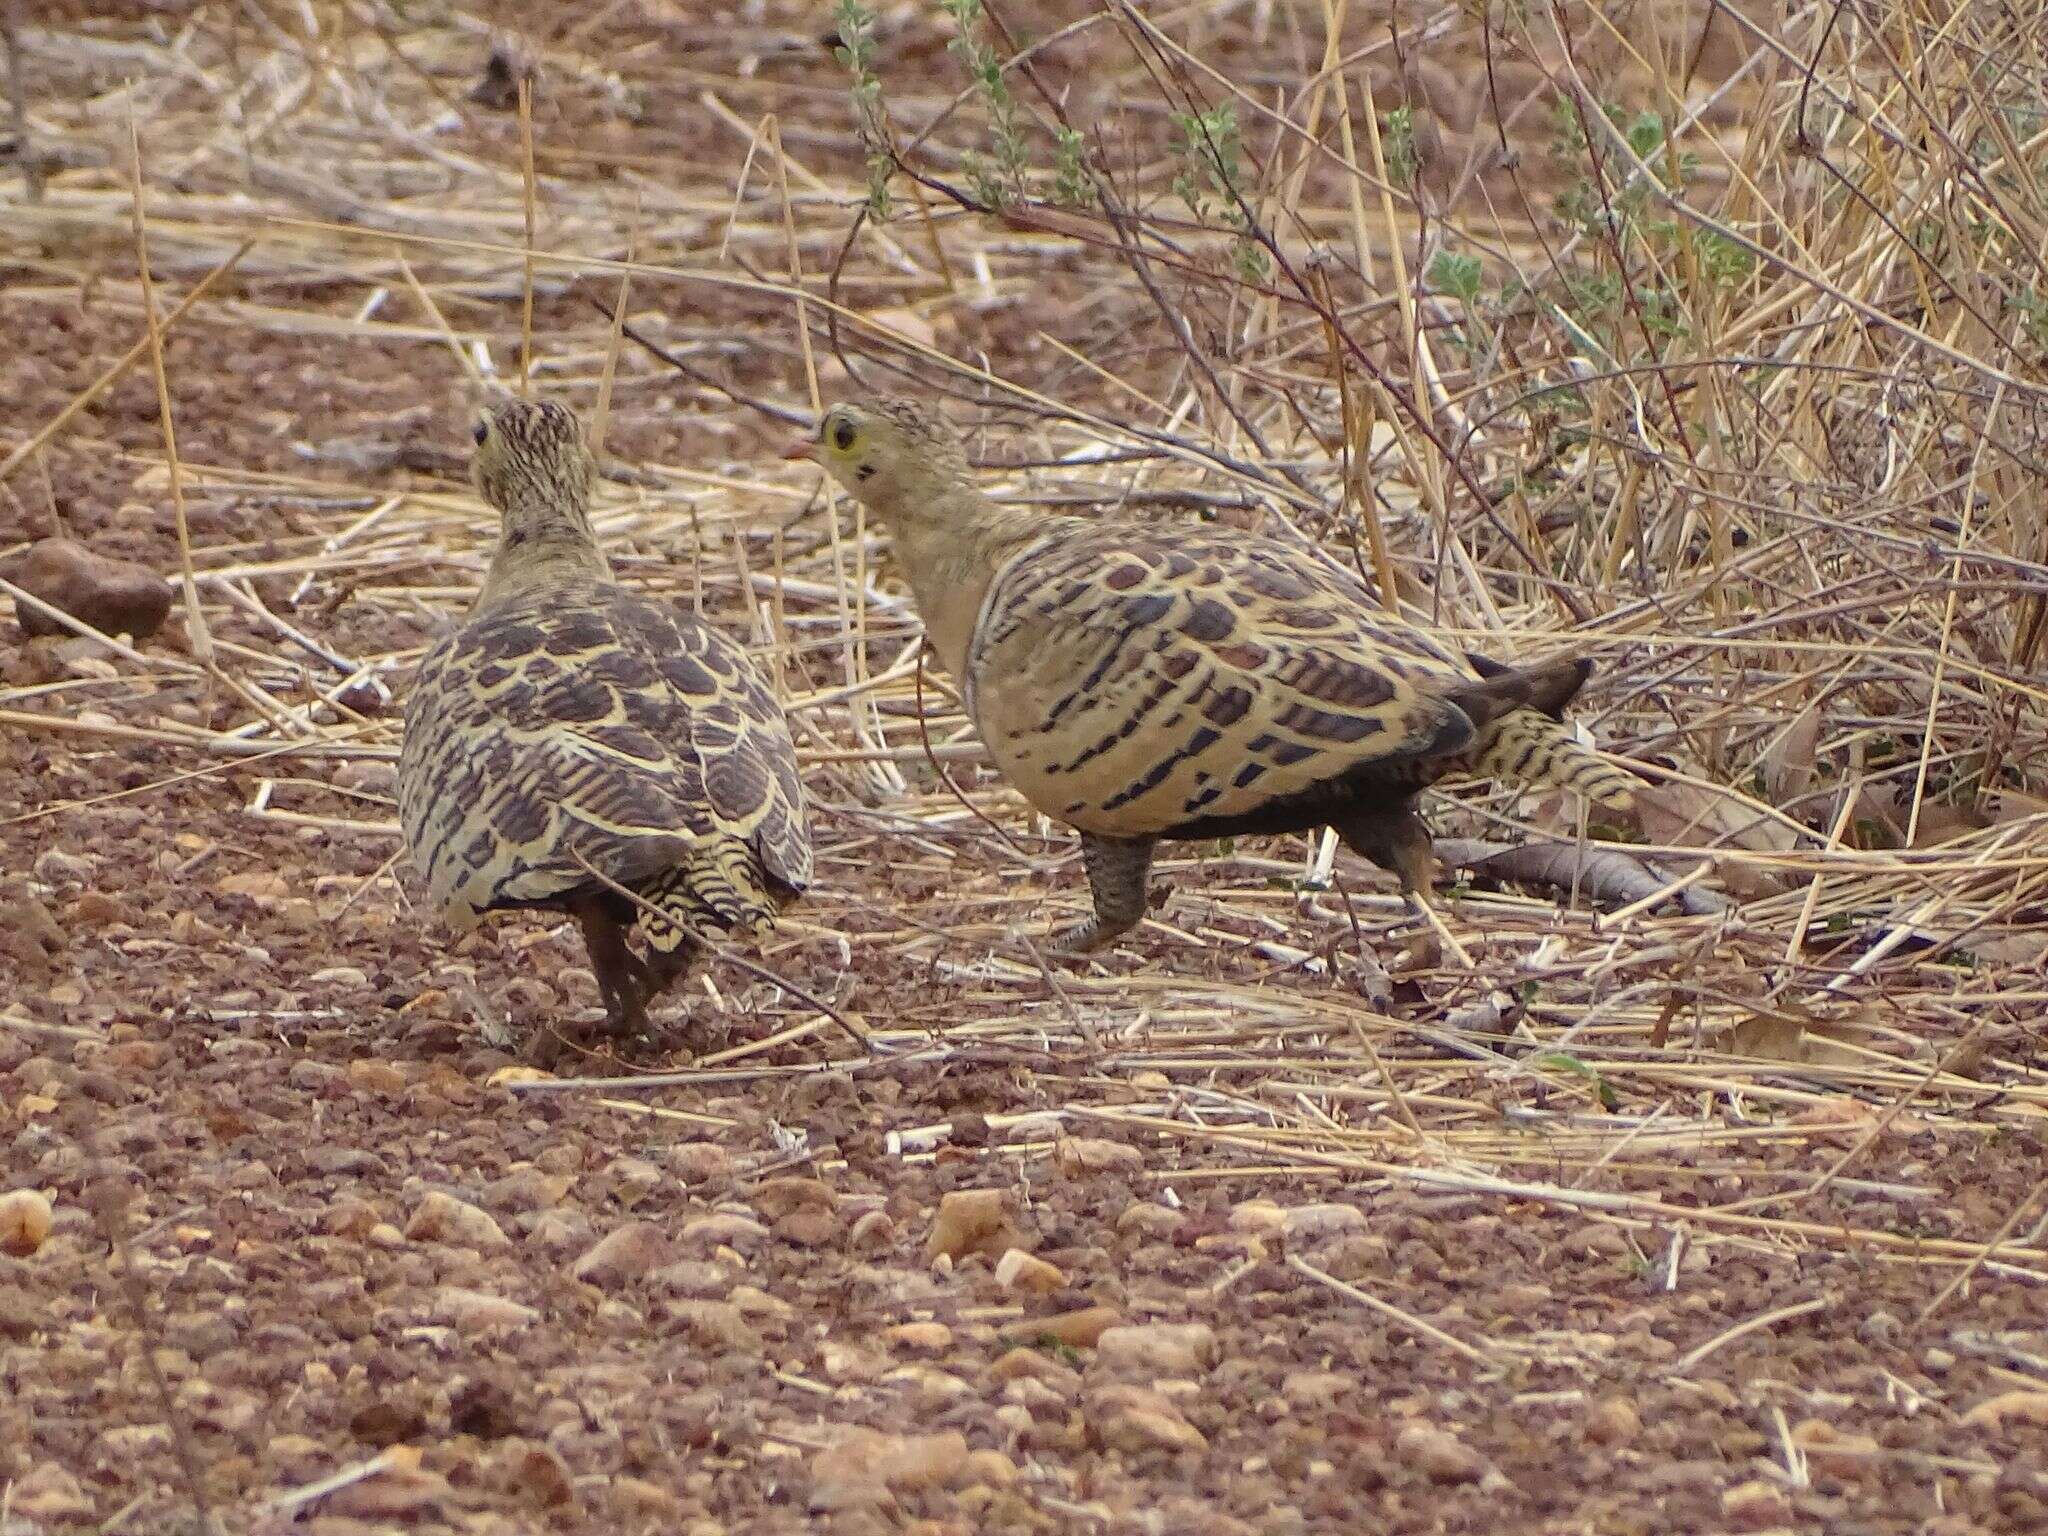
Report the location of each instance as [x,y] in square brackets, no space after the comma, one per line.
[1145,682]
[570,726]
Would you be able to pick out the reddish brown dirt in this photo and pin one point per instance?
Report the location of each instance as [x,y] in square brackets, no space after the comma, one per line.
[235,1051]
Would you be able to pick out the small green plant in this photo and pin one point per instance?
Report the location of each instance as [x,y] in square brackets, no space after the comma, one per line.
[856,52]
[2033,308]
[1457,275]
[1397,143]
[1071,186]
[998,181]
[1211,181]
[1460,276]
[1722,261]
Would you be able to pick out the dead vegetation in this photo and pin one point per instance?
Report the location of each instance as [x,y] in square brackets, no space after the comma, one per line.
[1739,385]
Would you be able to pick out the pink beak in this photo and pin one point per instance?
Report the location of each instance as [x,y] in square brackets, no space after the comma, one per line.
[801,448]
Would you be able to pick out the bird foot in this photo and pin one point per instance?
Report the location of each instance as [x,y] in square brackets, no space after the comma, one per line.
[1078,939]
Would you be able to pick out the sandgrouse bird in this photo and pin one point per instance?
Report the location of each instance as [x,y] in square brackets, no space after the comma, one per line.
[1143,683]
[571,730]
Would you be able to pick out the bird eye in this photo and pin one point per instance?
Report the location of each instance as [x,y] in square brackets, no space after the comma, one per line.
[480,431]
[842,436]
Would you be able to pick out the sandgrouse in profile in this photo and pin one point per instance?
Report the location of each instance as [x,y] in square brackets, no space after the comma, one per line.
[1143,683]
[570,726]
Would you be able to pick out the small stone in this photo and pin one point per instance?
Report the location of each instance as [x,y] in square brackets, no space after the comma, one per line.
[441,1218]
[1438,1454]
[407,1494]
[1313,1390]
[1022,1364]
[873,1230]
[752,1301]
[1837,1453]
[1030,1393]
[366,776]
[376,1077]
[352,977]
[1020,1271]
[558,1232]
[718,1324]
[506,1077]
[25,1219]
[650,1501]
[1355,1256]
[1259,1218]
[264,886]
[1880,1328]
[634,1178]
[473,1312]
[862,1464]
[624,1254]
[483,1407]
[990,1469]
[96,909]
[1596,1239]
[1134,1420]
[1613,1421]
[1159,1349]
[920,1338]
[721,1229]
[695,1162]
[526,1188]
[351,1215]
[849,1363]
[1078,1329]
[115,597]
[541,1473]
[1149,1221]
[2023,1405]
[809,1227]
[55,866]
[694,1277]
[800,1211]
[48,1493]
[1755,1505]
[1080,1156]
[1319,1223]
[972,1221]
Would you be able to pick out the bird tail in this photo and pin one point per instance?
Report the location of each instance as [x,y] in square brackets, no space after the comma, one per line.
[717,892]
[1527,748]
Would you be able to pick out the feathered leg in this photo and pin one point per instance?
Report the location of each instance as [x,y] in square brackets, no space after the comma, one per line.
[621,978]
[1118,870]
[1397,840]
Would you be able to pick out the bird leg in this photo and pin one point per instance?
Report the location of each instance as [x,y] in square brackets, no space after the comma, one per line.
[1118,870]
[658,970]
[1398,841]
[621,978]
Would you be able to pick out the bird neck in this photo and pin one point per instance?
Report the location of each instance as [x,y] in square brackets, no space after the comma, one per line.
[543,547]
[951,546]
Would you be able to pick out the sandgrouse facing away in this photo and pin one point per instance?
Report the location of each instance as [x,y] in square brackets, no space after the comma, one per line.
[569,723]
[1144,683]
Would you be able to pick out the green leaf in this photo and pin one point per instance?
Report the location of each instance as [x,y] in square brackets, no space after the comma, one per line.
[1564,1061]
[1457,275]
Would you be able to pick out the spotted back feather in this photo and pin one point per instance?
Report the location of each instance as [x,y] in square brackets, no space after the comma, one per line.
[584,724]
[1137,682]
